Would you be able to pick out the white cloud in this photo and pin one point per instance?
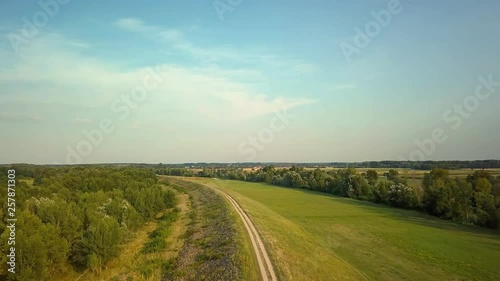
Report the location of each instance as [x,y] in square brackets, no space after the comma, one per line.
[50,69]
[78,44]
[177,39]
[137,25]
[214,95]
[7,116]
[305,68]
[130,24]
[81,120]
[247,106]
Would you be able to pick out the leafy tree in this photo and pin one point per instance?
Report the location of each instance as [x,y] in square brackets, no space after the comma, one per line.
[268,168]
[358,188]
[372,177]
[461,203]
[312,184]
[102,240]
[438,193]
[346,177]
[78,215]
[56,245]
[484,203]
[94,262]
[277,180]
[380,190]
[34,258]
[293,179]
[31,257]
[61,215]
[392,175]
[481,174]
[402,196]
[495,191]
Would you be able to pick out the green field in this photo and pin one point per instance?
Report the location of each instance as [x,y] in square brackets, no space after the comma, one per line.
[313,236]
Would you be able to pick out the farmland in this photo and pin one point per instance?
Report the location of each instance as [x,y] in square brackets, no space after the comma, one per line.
[130,223]
[415,177]
[312,236]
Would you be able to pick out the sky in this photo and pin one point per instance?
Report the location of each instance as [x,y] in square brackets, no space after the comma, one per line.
[248,81]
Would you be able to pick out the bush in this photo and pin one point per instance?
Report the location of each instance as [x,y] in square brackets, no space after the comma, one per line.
[155,245]
[380,191]
[402,196]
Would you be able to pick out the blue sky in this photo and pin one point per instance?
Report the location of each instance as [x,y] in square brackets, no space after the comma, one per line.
[223,79]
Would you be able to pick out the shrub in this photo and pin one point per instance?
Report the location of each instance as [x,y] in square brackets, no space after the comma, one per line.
[402,196]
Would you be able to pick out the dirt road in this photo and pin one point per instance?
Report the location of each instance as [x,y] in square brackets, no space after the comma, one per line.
[265,265]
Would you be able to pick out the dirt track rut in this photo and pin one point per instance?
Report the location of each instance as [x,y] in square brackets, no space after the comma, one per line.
[265,265]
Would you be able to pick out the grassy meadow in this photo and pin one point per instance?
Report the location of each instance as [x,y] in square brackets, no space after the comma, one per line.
[313,236]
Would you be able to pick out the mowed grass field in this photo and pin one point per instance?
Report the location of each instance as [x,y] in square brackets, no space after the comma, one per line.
[313,236]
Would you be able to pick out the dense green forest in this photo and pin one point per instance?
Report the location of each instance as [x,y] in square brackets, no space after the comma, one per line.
[473,200]
[75,218]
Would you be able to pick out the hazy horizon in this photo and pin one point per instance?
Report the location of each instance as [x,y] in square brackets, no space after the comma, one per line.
[256,162]
[259,81]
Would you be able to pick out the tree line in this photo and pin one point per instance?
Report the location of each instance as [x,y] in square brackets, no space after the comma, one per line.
[77,217]
[387,164]
[471,200]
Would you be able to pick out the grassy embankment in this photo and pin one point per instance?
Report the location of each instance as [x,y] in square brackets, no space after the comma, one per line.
[217,246]
[313,236]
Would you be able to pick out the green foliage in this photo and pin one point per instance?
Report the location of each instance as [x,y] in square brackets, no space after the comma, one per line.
[293,179]
[40,249]
[402,196]
[168,266]
[358,188]
[148,267]
[169,199]
[79,215]
[155,245]
[102,239]
[461,204]
[157,237]
[392,175]
[438,193]
[380,190]
[31,258]
[94,263]
[474,201]
[60,214]
[468,201]
[372,177]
